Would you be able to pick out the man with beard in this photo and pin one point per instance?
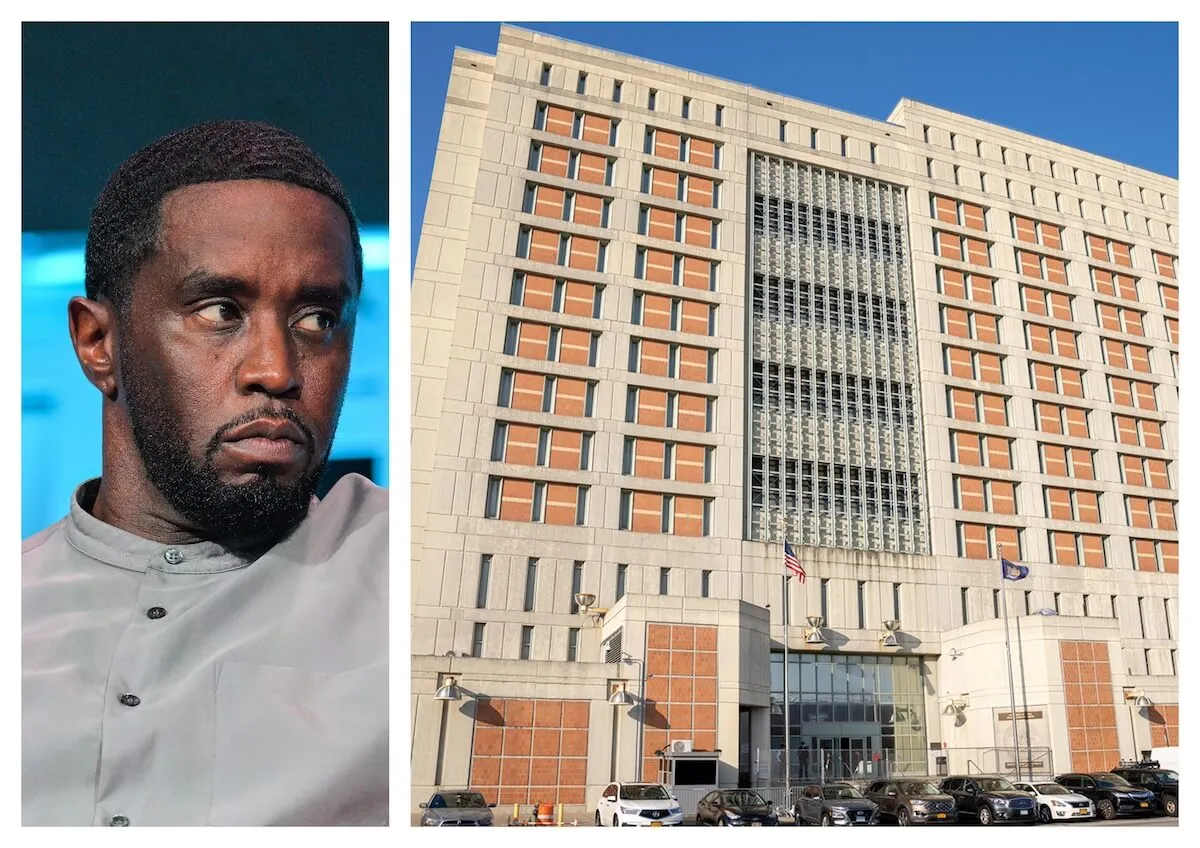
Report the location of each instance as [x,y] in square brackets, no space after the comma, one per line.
[203,641]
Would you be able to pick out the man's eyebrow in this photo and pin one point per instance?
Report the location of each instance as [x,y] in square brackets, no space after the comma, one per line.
[333,294]
[203,283]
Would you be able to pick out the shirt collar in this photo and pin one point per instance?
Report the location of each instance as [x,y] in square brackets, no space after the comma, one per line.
[113,546]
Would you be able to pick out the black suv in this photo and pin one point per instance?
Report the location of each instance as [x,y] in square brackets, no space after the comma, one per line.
[990,798]
[911,801]
[1114,795]
[1164,783]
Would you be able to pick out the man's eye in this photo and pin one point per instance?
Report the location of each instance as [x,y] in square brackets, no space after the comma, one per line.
[218,313]
[317,322]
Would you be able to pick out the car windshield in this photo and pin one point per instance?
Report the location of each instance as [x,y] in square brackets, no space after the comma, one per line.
[918,788]
[1052,789]
[744,798]
[643,792]
[840,792]
[1168,776]
[1112,781]
[995,784]
[458,800]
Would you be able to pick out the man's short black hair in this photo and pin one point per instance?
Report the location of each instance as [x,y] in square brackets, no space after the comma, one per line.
[127,219]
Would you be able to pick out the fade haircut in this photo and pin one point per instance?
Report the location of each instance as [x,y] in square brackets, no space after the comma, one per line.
[126,222]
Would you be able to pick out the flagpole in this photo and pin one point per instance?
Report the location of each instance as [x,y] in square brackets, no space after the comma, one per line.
[1012,694]
[787,731]
[1024,703]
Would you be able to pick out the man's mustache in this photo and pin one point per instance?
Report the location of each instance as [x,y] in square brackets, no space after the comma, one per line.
[269,412]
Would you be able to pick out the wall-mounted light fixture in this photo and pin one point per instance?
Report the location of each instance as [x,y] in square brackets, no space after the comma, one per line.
[888,638]
[812,633]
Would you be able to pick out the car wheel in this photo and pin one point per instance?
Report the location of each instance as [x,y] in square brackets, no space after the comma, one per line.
[616,821]
[826,821]
[1044,814]
[1106,809]
[902,817]
[986,816]
[1171,805]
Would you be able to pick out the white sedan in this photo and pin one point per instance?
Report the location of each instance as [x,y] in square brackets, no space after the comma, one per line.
[1058,803]
[637,804]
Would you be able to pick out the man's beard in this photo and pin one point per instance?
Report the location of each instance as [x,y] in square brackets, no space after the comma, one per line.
[244,516]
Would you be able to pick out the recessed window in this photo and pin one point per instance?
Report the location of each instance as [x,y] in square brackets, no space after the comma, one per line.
[531,570]
[825,599]
[485,575]
[720,115]
[651,99]
[622,571]
[687,107]
[872,153]
[477,640]
[546,74]
[581,86]
[616,91]
[812,139]
[783,130]
[843,145]
[526,641]
[664,581]
[705,582]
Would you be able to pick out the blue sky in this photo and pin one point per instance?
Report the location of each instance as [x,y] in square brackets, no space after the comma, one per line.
[1107,88]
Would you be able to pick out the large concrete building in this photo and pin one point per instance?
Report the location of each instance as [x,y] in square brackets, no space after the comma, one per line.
[662,323]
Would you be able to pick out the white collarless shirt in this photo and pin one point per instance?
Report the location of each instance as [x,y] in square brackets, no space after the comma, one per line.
[184,685]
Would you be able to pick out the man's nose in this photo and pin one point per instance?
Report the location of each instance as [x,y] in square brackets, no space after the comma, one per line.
[271,363]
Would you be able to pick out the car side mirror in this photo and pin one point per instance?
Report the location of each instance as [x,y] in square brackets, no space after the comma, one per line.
[970,790]
[423,805]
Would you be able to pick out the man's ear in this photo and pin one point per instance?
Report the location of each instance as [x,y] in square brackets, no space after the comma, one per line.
[93,326]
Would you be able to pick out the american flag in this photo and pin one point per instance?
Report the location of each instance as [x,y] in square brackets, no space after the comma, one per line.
[793,564]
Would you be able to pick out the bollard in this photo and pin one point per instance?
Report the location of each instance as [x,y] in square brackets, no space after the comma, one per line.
[560,815]
[516,813]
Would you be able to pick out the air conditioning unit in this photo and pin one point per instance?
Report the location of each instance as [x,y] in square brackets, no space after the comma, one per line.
[681,746]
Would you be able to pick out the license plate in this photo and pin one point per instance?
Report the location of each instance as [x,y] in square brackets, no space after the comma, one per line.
[1145,804]
[656,824]
[756,824]
[941,815]
[1081,812]
[1022,812]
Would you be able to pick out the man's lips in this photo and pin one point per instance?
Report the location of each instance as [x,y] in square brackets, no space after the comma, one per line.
[266,441]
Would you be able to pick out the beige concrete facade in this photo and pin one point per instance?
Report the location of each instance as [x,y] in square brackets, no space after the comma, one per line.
[460,308]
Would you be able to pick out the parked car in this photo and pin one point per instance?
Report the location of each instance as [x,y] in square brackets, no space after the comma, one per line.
[912,802]
[637,804]
[835,804]
[735,808]
[1056,802]
[1113,795]
[989,798]
[1163,782]
[456,808]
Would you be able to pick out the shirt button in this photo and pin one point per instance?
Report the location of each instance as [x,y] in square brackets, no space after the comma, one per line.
[118,821]
[173,555]
[130,700]
[156,613]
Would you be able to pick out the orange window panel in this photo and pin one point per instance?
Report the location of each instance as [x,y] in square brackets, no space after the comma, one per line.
[1058,502]
[981,289]
[1043,377]
[958,361]
[647,512]
[702,152]
[527,391]
[574,346]
[689,463]
[661,224]
[966,449]
[987,328]
[559,121]
[956,322]
[1064,548]
[1093,551]
[521,445]
[1028,264]
[666,144]
[656,311]
[1126,287]
[516,500]
[1164,515]
[533,340]
[1164,264]
[561,500]
[994,410]
[1132,466]
[589,210]
[580,299]
[1133,322]
[1072,382]
[692,409]
[697,231]
[1056,270]
[1139,512]
[1064,341]
[1087,504]
[585,253]
[596,129]
[997,452]
[700,191]
[1143,555]
[1054,459]
[1121,254]
[652,407]
[989,368]
[693,364]
[1025,229]
[1109,319]
[1052,236]
[569,396]
[1152,434]
[970,494]
[1156,474]
[973,216]
[962,405]
[1035,300]
[945,209]
[693,317]
[566,449]
[1172,330]
[975,544]
[543,246]
[1049,420]
[1039,338]
[1145,395]
[1126,429]
[977,252]
[1060,305]
[1097,249]
[689,516]
[538,292]
[1081,464]
[1114,353]
[1004,497]
[1170,556]
[549,202]
[648,458]
[1103,282]
[1077,422]
[953,283]
[653,358]
[663,183]
[554,160]
[593,168]
[1170,297]
[949,246]
[696,273]
[659,266]
[1140,357]
[1006,538]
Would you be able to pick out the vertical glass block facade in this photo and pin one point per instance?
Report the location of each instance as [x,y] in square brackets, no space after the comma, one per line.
[835,457]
